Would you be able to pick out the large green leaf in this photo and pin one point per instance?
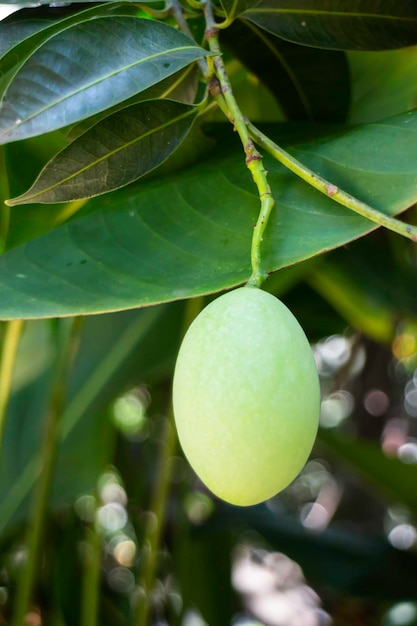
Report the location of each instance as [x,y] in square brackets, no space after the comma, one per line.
[310,84]
[116,151]
[181,86]
[190,234]
[13,33]
[28,23]
[373,98]
[24,31]
[88,68]
[37,219]
[340,24]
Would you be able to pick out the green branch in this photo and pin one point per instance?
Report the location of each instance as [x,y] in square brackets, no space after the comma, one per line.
[221,90]
[329,189]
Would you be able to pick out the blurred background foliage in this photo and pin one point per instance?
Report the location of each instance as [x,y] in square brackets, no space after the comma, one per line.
[126,517]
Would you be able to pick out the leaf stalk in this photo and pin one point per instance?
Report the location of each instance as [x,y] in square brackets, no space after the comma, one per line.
[329,189]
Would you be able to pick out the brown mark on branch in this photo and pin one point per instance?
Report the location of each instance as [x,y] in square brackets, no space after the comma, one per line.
[331,190]
[211,32]
[215,88]
[251,153]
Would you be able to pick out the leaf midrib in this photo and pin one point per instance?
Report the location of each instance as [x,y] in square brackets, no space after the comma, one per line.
[92,84]
[110,154]
[332,14]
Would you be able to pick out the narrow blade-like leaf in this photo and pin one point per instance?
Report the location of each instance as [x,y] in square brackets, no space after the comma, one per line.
[116,151]
[88,68]
[181,86]
[339,24]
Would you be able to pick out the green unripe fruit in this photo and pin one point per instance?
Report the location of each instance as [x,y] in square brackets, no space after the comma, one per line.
[246,396]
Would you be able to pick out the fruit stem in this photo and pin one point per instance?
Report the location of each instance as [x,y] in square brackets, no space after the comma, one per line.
[328,188]
[221,90]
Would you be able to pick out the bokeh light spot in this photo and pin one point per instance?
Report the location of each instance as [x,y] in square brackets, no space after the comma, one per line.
[402,614]
[404,346]
[124,552]
[403,536]
[407,453]
[376,402]
[85,507]
[129,411]
[112,517]
[336,408]
[121,580]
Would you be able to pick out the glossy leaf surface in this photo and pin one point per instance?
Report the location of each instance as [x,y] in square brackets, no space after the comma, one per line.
[339,24]
[88,68]
[116,151]
[12,34]
[24,31]
[187,235]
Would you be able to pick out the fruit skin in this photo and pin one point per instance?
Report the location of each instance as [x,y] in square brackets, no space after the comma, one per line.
[246,396]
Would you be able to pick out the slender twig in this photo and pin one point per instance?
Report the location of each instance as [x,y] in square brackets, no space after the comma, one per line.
[178,14]
[11,338]
[157,509]
[221,89]
[66,333]
[328,188]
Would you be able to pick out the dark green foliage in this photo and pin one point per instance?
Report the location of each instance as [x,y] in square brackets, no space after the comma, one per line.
[116,100]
